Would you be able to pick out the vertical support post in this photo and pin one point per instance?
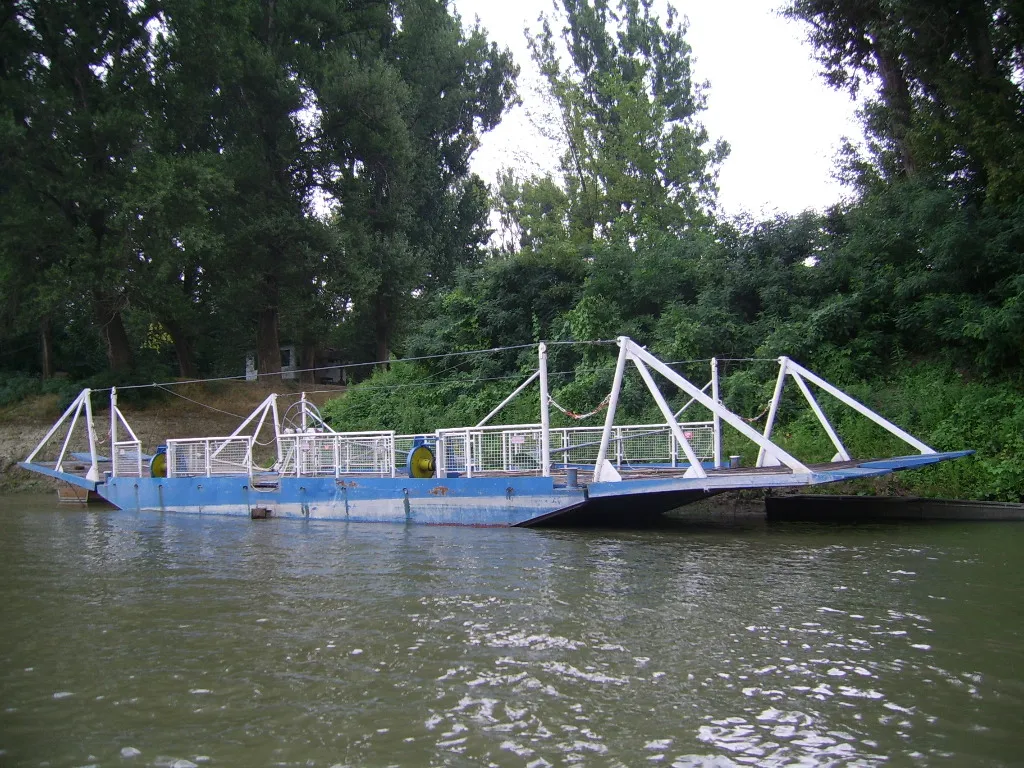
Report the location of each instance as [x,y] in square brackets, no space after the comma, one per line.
[467,446]
[545,411]
[113,434]
[774,409]
[613,403]
[303,409]
[715,417]
[94,470]
[337,457]
[67,438]
[277,431]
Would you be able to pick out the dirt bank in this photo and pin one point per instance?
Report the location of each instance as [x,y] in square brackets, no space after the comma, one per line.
[196,411]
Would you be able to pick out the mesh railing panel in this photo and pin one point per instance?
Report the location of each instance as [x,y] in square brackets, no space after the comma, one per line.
[452,450]
[337,454]
[127,459]
[521,450]
[583,445]
[644,445]
[701,438]
[209,456]
[518,449]
[230,456]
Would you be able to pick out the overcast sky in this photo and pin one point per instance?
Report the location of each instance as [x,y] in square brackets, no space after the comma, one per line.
[782,122]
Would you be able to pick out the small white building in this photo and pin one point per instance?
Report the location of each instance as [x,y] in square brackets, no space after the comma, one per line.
[328,366]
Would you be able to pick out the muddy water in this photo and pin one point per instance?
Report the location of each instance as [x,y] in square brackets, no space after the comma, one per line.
[141,639]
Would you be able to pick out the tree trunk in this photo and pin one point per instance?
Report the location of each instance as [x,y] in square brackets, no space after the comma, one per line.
[46,347]
[115,338]
[896,94]
[307,362]
[382,333]
[182,349]
[268,343]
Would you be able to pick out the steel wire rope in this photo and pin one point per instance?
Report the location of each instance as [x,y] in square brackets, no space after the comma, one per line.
[204,405]
[343,366]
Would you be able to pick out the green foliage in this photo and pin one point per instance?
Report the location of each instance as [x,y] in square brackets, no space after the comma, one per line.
[941,407]
[170,168]
[637,160]
[411,399]
[17,386]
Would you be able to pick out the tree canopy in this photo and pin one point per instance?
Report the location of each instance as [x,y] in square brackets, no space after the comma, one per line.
[217,173]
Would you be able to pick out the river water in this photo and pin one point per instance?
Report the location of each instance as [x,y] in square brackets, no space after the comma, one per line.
[163,640]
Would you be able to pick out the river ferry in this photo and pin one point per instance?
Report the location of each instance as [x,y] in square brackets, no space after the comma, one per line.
[484,475]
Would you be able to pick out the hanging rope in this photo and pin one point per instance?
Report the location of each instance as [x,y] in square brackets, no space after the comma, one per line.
[204,405]
[759,416]
[579,416]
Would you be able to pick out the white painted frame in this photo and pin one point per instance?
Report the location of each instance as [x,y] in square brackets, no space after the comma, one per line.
[801,375]
[81,403]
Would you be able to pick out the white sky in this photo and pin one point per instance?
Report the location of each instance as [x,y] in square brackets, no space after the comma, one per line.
[782,122]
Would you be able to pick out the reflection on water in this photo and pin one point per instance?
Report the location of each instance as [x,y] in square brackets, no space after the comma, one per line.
[141,639]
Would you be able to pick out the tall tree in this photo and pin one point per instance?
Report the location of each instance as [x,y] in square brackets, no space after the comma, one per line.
[410,207]
[75,76]
[946,76]
[638,160]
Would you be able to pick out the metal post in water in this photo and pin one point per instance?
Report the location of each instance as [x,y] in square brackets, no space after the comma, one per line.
[715,417]
[545,412]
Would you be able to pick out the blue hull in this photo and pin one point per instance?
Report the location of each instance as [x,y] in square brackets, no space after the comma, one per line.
[477,501]
[502,501]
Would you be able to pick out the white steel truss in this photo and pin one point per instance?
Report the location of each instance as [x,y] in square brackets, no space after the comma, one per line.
[81,403]
[801,375]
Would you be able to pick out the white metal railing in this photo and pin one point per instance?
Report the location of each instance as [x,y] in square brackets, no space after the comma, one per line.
[327,454]
[518,448]
[208,456]
[127,458]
